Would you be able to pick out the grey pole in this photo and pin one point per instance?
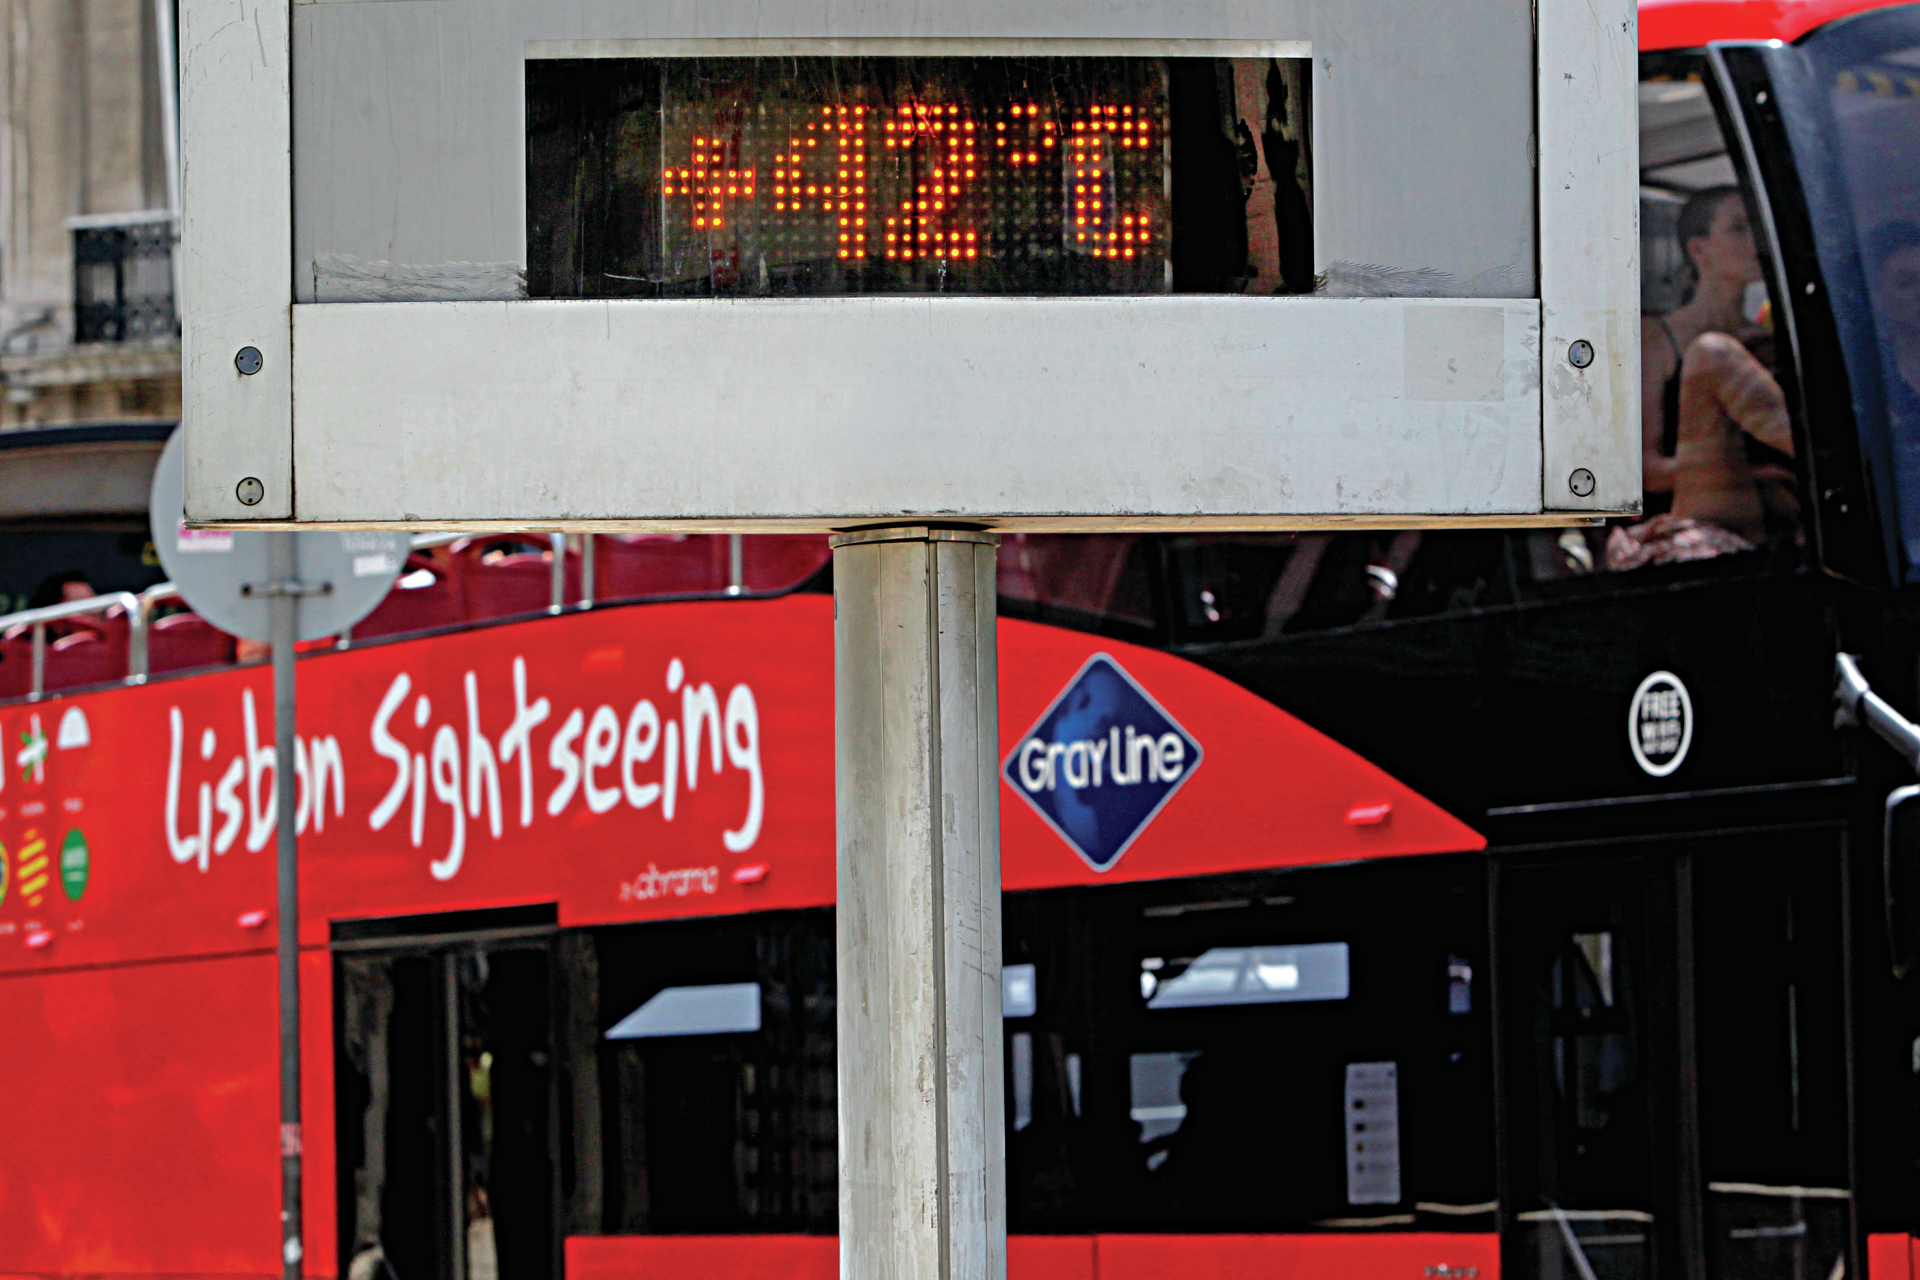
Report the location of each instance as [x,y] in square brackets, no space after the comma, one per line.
[922,1137]
[283,559]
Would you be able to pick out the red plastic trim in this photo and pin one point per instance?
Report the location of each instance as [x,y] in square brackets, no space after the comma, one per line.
[1690,24]
[1329,1256]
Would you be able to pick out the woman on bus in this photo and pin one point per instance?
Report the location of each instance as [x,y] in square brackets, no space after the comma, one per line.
[1716,243]
[1717,446]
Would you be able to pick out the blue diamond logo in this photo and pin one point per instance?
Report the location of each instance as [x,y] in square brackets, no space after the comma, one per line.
[1101,761]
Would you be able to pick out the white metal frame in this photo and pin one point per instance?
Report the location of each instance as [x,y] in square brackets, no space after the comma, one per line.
[1588,164]
[236,255]
[1179,411]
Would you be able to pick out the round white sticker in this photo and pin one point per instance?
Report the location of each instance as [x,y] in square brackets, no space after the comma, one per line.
[1660,723]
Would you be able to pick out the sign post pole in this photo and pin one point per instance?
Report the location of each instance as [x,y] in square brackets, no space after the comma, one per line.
[922,1140]
[284,622]
[281,587]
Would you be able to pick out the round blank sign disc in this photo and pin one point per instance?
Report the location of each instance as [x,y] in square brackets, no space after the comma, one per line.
[213,567]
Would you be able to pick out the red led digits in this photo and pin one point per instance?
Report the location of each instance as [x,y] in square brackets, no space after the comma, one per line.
[1105,147]
[712,178]
[935,159]
[850,170]
[910,181]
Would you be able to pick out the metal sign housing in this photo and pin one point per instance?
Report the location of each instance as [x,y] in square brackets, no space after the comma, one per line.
[361,347]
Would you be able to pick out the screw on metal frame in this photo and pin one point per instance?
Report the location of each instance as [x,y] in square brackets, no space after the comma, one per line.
[250,491]
[248,360]
[1581,482]
[1580,354]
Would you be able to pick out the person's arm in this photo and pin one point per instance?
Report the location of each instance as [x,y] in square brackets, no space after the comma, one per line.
[1719,368]
[1656,365]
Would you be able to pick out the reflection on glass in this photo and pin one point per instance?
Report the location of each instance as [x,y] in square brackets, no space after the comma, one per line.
[1019,991]
[1866,72]
[1590,1244]
[1372,1111]
[1020,1047]
[718,1009]
[1459,986]
[1780,1233]
[1154,1093]
[1597,950]
[1249,975]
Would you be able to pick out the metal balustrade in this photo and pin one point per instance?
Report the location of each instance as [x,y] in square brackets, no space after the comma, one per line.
[123,277]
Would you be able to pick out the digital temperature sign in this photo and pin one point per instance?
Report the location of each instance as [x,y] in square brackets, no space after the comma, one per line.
[676,177]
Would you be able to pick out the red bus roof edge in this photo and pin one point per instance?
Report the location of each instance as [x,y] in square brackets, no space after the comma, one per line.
[1689,24]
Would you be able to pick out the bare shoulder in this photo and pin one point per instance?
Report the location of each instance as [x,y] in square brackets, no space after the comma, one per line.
[1714,350]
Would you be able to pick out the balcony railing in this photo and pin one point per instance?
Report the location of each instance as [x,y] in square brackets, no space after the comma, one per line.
[123,277]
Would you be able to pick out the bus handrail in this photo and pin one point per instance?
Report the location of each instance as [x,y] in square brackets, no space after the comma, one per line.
[557,542]
[1856,704]
[139,609]
[140,606]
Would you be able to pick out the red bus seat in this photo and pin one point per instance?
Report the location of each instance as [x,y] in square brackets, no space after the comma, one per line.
[498,577]
[93,650]
[16,670]
[628,566]
[185,641]
[425,597]
[781,561]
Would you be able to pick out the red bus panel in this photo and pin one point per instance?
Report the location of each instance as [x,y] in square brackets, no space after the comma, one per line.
[139,1119]
[1378,1256]
[531,764]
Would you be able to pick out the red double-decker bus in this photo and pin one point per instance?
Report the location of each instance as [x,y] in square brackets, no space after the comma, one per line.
[1478,903]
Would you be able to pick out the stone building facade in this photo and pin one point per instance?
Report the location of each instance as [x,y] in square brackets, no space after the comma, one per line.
[88,199]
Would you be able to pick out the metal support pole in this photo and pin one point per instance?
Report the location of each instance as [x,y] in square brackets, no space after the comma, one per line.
[167,69]
[586,570]
[283,560]
[167,65]
[922,1137]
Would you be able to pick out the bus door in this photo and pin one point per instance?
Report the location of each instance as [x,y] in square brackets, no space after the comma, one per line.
[1673,1063]
[444,1096]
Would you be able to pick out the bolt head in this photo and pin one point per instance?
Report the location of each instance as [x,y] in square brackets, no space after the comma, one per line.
[248,360]
[250,491]
[1581,482]
[1580,354]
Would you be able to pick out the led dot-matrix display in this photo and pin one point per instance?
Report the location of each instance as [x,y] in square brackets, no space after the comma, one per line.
[765,176]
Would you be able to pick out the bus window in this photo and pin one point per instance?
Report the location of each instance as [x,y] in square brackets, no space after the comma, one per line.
[444,1069]
[715,1076]
[1581,1073]
[1772,1090]
[1262,586]
[1864,79]
[1717,447]
[1296,1052]
[1103,582]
